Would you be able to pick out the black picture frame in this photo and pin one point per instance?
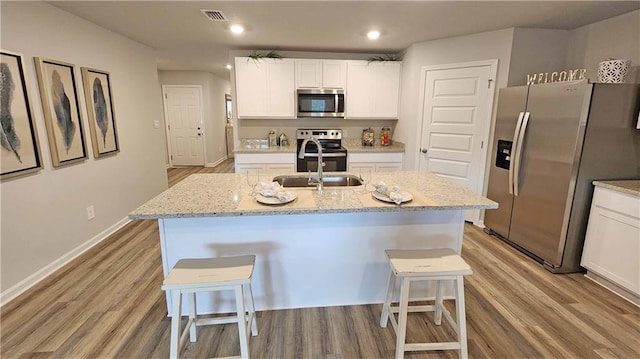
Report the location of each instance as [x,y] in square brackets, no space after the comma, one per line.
[102,123]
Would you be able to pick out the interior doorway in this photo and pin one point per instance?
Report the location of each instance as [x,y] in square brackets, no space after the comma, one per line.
[456,106]
[184,124]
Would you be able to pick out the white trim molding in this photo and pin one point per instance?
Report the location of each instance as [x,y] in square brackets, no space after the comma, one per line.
[216,162]
[49,269]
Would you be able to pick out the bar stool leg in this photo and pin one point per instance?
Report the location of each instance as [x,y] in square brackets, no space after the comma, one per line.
[252,311]
[402,317]
[437,314]
[191,298]
[242,328]
[175,324]
[461,317]
[384,318]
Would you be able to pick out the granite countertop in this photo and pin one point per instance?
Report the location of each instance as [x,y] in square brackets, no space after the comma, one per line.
[631,187]
[249,145]
[355,145]
[228,195]
[351,144]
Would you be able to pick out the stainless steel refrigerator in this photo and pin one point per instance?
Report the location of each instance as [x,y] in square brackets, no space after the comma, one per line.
[550,142]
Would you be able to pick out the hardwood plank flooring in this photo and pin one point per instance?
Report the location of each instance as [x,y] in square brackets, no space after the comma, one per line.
[177,174]
[108,304]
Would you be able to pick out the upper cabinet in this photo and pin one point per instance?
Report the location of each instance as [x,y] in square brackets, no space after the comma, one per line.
[318,74]
[373,90]
[265,88]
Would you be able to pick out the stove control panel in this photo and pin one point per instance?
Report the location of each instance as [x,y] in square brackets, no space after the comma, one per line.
[320,134]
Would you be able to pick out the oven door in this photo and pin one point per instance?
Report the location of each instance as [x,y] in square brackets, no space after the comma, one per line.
[333,162]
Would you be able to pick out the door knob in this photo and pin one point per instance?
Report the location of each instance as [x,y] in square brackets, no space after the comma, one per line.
[424,150]
[199,134]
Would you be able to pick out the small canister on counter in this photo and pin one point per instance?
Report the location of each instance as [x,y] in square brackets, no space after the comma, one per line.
[367,137]
[283,141]
[272,138]
[385,136]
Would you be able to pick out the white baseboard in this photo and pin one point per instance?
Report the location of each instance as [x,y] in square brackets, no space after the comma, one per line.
[36,277]
[216,162]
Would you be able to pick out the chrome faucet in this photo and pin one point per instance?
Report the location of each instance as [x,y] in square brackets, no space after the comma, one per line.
[318,181]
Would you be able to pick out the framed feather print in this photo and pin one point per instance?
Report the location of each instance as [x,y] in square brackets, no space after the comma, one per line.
[19,147]
[102,123]
[59,96]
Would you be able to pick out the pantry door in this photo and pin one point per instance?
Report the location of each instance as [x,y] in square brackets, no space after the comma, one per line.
[183,116]
[456,107]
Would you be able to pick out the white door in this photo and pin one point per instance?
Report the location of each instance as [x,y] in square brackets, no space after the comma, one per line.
[183,116]
[457,101]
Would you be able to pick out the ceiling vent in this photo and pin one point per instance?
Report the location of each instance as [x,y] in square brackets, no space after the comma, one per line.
[214,15]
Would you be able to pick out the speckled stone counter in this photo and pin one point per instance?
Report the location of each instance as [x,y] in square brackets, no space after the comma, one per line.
[216,195]
[631,187]
[355,145]
[262,146]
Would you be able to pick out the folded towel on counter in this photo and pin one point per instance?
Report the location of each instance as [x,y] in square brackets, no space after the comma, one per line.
[395,196]
[269,189]
[275,190]
[381,188]
[394,193]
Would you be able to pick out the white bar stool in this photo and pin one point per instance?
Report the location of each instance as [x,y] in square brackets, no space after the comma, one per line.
[419,265]
[193,275]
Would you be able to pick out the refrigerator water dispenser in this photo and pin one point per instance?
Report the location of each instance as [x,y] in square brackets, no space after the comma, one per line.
[503,157]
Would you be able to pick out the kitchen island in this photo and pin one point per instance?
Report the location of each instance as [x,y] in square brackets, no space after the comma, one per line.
[322,249]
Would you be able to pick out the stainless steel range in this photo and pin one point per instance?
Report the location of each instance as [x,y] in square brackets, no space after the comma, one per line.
[334,155]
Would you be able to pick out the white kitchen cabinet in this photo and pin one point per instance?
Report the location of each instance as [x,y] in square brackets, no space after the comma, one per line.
[319,74]
[267,163]
[611,252]
[376,162]
[373,90]
[265,88]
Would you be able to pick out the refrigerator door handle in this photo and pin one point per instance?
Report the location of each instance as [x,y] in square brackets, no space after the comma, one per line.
[514,148]
[518,155]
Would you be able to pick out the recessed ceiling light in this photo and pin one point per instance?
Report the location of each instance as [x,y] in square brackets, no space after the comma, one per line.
[228,67]
[237,29]
[373,34]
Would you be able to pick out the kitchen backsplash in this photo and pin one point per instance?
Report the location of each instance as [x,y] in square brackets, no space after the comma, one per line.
[350,128]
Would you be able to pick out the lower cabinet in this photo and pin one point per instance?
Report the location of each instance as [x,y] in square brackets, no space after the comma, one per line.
[279,163]
[611,252]
[376,162]
[272,163]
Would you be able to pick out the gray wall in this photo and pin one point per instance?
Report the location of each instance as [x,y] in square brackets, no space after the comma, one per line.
[213,90]
[536,51]
[44,219]
[617,38]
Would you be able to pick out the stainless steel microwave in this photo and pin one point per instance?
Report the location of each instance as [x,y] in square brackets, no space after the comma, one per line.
[320,103]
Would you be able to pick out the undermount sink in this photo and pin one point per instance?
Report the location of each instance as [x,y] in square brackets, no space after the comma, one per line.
[329,181]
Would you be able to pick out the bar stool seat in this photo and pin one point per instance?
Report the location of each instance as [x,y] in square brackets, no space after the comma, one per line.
[194,275]
[438,265]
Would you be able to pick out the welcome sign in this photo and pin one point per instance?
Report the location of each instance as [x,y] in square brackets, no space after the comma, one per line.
[546,77]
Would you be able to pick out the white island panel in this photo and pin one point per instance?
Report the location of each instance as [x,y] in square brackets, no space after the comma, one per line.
[309,260]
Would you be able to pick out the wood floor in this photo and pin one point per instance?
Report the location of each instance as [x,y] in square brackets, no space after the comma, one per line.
[108,304]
